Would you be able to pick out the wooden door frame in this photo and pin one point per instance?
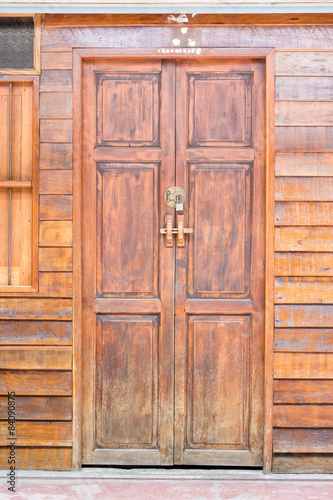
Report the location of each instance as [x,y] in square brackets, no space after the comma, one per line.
[79,55]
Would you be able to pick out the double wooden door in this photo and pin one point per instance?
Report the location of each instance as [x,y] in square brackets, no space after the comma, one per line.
[173,337]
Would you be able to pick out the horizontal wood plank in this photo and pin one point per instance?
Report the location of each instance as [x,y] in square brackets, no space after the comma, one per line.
[56,80]
[55,259]
[302,463]
[56,130]
[36,332]
[303,391]
[303,440]
[38,458]
[303,416]
[314,63]
[57,60]
[36,357]
[303,290]
[56,207]
[55,233]
[36,383]
[312,316]
[304,164]
[55,156]
[303,264]
[303,339]
[304,139]
[56,182]
[33,308]
[39,433]
[304,239]
[38,408]
[304,213]
[304,188]
[303,365]
[55,104]
[304,87]
[56,284]
[304,113]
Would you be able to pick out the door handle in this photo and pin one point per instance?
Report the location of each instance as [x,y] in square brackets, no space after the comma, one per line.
[180,230]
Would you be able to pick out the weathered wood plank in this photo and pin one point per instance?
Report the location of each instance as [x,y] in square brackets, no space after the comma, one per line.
[303,391]
[56,182]
[314,63]
[303,339]
[303,88]
[304,213]
[303,365]
[55,156]
[304,164]
[303,264]
[304,239]
[48,309]
[302,463]
[39,433]
[36,332]
[56,130]
[58,80]
[56,284]
[304,188]
[36,383]
[304,290]
[38,458]
[55,233]
[303,416]
[56,104]
[56,207]
[57,60]
[297,114]
[303,440]
[55,259]
[38,408]
[36,357]
[304,139]
[303,316]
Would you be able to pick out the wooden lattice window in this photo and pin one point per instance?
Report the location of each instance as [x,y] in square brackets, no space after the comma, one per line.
[16,187]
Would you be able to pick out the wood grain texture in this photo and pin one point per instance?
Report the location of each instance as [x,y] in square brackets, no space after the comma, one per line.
[314,63]
[304,88]
[303,365]
[299,290]
[56,130]
[39,433]
[303,316]
[57,80]
[302,440]
[56,284]
[56,104]
[57,60]
[55,233]
[303,339]
[48,309]
[304,239]
[304,139]
[38,408]
[297,114]
[303,415]
[36,332]
[293,463]
[303,391]
[304,188]
[36,357]
[304,164]
[55,259]
[38,458]
[55,156]
[55,182]
[56,207]
[36,383]
[304,213]
[303,264]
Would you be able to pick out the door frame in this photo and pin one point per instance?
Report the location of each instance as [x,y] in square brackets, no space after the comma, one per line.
[79,55]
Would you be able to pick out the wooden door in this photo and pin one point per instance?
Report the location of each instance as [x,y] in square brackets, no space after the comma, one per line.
[173,337]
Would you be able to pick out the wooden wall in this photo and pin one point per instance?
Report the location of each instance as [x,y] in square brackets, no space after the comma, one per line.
[36,352]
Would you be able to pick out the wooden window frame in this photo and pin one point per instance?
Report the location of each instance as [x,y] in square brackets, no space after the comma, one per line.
[36,70]
[22,290]
[268,56]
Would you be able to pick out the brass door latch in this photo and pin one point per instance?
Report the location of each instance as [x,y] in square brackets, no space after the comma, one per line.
[180,230]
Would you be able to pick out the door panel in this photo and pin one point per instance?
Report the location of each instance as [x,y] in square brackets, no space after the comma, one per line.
[173,337]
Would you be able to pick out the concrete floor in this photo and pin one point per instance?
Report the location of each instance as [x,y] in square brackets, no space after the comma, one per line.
[175,484]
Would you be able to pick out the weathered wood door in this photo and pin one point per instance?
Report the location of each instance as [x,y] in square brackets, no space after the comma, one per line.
[173,337]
